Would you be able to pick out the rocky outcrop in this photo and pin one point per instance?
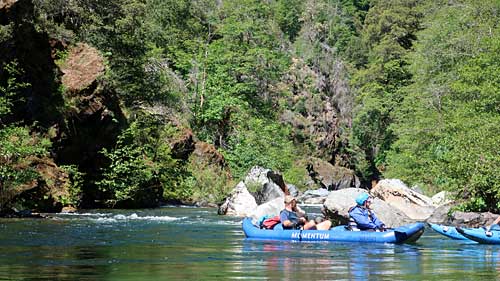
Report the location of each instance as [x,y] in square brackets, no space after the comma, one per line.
[48,192]
[82,67]
[6,4]
[415,205]
[441,198]
[313,197]
[321,104]
[331,177]
[241,202]
[445,215]
[93,121]
[472,219]
[208,153]
[338,203]
[183,145]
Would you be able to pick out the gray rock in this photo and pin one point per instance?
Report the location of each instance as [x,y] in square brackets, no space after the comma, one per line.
[271,208]
[339,202]
[331,177]
[292,189]
[441,198]
[240,203]
[413,204]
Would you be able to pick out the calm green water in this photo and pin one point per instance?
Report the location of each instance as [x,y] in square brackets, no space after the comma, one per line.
[174,243]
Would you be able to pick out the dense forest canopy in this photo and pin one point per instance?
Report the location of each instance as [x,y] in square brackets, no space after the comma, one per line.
[195,92]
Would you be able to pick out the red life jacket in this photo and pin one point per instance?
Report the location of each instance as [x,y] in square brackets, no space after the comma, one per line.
[270,223]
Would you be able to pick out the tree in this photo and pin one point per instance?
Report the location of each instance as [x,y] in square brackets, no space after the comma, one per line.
[447,123]
[389,32]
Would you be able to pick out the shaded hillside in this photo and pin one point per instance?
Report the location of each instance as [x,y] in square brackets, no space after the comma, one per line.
[131,103]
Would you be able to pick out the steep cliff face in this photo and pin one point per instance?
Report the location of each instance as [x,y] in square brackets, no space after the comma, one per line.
[93,117]
[21,42]
[66,100]
[319,110]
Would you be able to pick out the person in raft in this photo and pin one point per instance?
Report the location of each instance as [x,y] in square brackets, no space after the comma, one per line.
[361,217]
[293,217]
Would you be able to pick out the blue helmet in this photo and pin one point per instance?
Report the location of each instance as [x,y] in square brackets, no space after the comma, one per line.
[360,200]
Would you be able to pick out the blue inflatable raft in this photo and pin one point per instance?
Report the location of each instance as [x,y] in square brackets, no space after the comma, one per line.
[403,234]
[448,231]
[480,235]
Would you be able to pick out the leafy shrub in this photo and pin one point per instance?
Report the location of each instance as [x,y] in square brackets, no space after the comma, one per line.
[18,146]
[75,185]
[259,143]
[139,162]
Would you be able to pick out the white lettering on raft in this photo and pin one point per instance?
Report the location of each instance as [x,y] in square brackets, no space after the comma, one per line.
[318,236]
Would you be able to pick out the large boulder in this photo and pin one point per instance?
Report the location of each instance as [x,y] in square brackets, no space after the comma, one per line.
[266,184]
[441,215]
[271,208]
[441,198]
[338,203]
[413,204]
[444,215]
[472,219]
[317,196]
[331,177]
[239,203]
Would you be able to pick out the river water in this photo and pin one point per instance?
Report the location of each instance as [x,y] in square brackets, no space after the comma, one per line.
[181,243]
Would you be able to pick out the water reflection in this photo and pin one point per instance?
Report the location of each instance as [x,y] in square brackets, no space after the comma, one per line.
[199,245]
[334,260]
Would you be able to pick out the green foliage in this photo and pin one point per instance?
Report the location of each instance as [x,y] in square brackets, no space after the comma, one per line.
[74,187]
[330,29]
[259,143]
[447,125]
[240,69]
[208,183]
[11,88]
[389,31]
[297,175]
[288,14]
[139,161]
[18,147]
[5,32]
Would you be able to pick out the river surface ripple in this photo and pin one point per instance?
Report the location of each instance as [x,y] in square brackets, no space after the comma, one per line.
[182,243]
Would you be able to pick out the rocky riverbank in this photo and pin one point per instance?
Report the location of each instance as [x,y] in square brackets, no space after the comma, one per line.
[394,202]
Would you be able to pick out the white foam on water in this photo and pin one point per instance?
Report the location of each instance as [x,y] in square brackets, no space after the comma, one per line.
[106,220]
[112,218]
[134,216]
[85,214]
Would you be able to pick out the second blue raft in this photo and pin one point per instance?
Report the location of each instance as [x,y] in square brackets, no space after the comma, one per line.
[448,231]
[480,235]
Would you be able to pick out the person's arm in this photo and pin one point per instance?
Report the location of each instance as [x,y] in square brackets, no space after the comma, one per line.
[361,218]
[380,225]
[496,221]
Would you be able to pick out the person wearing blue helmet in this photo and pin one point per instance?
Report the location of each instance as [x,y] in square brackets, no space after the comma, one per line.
[362,217]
